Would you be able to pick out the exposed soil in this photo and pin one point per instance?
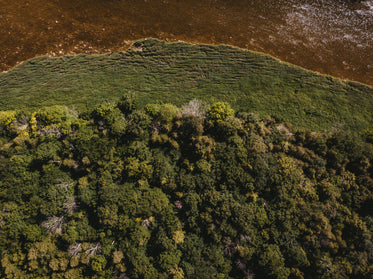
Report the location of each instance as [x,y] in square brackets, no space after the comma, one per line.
[327,36]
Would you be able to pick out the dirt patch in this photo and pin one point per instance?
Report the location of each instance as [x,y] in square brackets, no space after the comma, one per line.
[31,28]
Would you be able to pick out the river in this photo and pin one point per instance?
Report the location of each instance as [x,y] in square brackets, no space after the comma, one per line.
[329,36]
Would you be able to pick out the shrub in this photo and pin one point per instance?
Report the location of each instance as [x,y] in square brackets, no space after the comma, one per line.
[168,112]
[7,118]
[163,113]
[368,135]
[220,111]
[98,263]
[54,115]
[127,103]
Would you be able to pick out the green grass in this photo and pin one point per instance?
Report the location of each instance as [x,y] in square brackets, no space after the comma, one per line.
[178,72]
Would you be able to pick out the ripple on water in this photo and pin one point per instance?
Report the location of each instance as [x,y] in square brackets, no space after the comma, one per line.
[323,22]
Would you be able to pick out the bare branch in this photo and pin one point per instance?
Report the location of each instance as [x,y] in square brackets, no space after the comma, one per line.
[94,249]
[70,205]
[194,108]
[53,224]
[64,184]
[74,249]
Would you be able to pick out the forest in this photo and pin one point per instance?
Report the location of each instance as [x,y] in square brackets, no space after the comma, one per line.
[196,191]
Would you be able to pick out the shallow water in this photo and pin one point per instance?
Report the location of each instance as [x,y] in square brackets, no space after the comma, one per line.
[328,36]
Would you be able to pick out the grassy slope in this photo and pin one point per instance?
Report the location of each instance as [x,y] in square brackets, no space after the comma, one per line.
[178,72]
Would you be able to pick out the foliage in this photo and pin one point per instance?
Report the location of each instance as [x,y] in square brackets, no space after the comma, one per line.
[163,192]
[127,103]
[220,111]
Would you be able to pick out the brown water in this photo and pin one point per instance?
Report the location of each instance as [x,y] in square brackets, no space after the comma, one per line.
[328,36]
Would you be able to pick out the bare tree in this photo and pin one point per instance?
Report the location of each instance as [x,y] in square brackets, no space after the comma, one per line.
[194,108]
[146,223]
[20,124]
[53,224]
[242,265]
[228,247]
[94,249]
[64,184]
[57,132]
[74,249]
[244,238]
[178,204]
[70,205]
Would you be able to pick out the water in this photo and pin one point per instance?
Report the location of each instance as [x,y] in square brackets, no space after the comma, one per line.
[329,36]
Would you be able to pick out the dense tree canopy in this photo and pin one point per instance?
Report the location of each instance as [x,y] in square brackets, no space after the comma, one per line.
[191,192]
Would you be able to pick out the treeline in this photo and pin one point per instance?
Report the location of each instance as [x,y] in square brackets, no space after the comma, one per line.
[193,192]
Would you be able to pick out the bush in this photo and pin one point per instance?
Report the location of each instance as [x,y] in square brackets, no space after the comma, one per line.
[98,263]
[152,110]
[368,135]
[7,118]
[54,115]
[163,113]
[128,103]
[220,111]
[168,112]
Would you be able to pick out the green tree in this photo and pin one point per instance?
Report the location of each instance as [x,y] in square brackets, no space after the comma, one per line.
[220,111]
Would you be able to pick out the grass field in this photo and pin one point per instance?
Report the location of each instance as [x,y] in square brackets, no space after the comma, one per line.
[177,72]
